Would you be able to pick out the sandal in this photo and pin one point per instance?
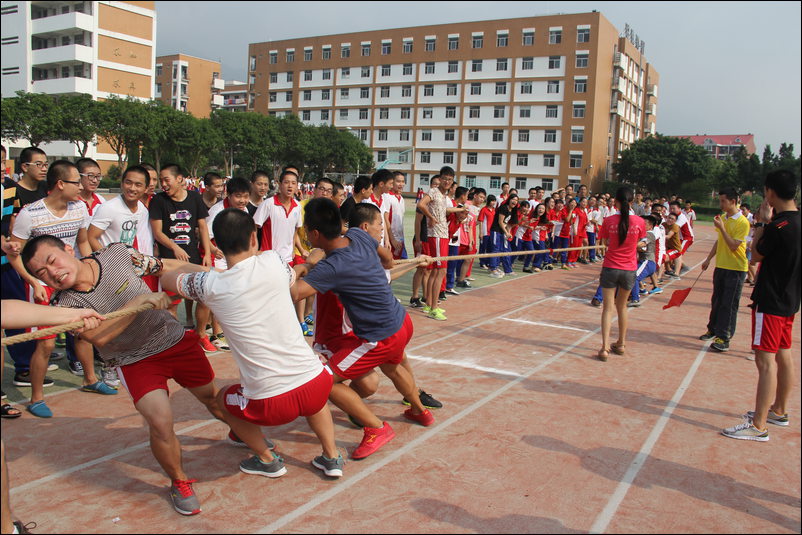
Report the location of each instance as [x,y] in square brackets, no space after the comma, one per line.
[617,349]
[7,411]
[602,355]
[40,409]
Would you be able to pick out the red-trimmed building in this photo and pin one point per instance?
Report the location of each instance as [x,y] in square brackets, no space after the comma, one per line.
[723,147]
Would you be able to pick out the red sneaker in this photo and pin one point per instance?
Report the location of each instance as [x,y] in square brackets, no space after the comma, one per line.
[208,346]
[373,440]
[425,418]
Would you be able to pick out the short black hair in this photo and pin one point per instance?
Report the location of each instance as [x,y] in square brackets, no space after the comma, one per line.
[538,188]
[59,170]
[447,171]
[83,163]
[286,172]
[362,182]
[363,212]
[237,185]
[174,169]
[783,183]
[730,193]
[490,198]
[675,203]
[232,230]
[257,174]
[651,219]
[26,156]
[33,245]
[380,176]
[147,166]
[323,215]
[745,205]
[291,166]
[210,177]
[477,191]
[136,169]
[336,188]
[324,180]
[460,191]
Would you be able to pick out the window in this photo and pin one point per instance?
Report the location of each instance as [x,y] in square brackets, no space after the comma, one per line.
[405,113]
[364,92]
[553,86]
[581,61]
[548,160]
[425,156]
[307,95]
[307,76]
[273,77]
[344,113]
[386,49]
[473,135]
[501,64]
[384,91]
[289,76]
[386,70]
[579,111]
[363,114]
[327,53]
[327,74]
[273,58]
[577,136]
[428,90]
[306,115]
[449,135]
[424,179]
[272,97]
[470,182]
[429,45]
[476,65]
[555,37]
[365,50]
[365,72]
[453,66]
[551,112]
[384,113]
[307,55]
[290,56]
[525,112]
[158,70]
[425,135]
[324,115]
[451,112]
[251,65]
[407,47]
[406,90]
[549,136]
[583,36]
[288,96]
[251,79]
[344,93]
[427,113]
[478,41]
[580,86]
[429,68]
[381,155]
[498,112]
[498,135]
[473,112]
[476,88]
[345,51]
[520,182]
[501,40]
[554,62]
[547,183]
[501,88]
[382,135]
[523,136]
[407,69]
[325,94]
[495,182]
[575,161]
[527,64]
[448,157]
[403,135]
[158,88]
[451,90]
[363,134]
[526,88]
[453,43]
[473,157]
[345,72]
[528,38]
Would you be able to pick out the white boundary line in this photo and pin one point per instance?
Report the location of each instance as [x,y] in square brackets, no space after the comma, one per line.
[543,324]
[465,364]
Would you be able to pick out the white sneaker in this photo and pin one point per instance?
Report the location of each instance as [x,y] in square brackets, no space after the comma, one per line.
[110,377]
[772,418]
[497,274]
[746,431]
[221,342]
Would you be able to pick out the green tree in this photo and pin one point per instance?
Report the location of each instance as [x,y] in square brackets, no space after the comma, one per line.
[163,130]
[199,141]
[232,129]
[121,125]
[80,117]
[31,116]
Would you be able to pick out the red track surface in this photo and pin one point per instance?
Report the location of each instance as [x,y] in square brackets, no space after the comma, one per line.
[536,435]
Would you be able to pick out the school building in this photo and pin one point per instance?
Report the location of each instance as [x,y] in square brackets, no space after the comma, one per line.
[189,84]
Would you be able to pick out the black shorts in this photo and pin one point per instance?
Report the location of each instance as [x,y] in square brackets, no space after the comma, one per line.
[617,278]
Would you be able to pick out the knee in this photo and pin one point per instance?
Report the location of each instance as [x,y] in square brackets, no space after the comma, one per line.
[161,429]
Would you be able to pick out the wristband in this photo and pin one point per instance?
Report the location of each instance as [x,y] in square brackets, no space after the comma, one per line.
[760,225]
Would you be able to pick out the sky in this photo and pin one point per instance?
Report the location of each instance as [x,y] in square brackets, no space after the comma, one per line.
[725,67]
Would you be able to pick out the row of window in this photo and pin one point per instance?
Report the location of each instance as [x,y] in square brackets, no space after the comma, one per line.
[429,45]
[549,136]
[474,112]
[469,181]
[496,159]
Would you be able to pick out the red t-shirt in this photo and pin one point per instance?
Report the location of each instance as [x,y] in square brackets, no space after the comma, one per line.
[565,232]
[486,216]
[581,222]
[622,256]
[526,220]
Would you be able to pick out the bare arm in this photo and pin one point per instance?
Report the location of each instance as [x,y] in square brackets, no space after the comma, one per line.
[386,257]
[93,235]
[301,290]
[162,239]
[18,314]
[82,243]
[111,329]
[206,243]
[401,269]
[16,262]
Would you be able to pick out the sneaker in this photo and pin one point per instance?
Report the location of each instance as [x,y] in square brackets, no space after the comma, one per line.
[721,345]
[425,418]
[452,291]
[373,440]
[707,336]
[56,356]
[549,267]
[220,342]
[207,345]
[772,418]
[110,377]
[256,466]
[427,309]
[52,367]
[415,302]
[99,388]
[657,290]
[583,261]
[632,304]
[438,314]
[471,279]
[536,270]
[309,319]
[497,274]
[61,340]
[746,431]
[442,296]
[510,274]
[595,302]
[24,528]
[427,400]
[306,330]
[669,273]
[464,284]
[234,440]
[76,368]
[24,379]
[330,467]
[184,499]
[564,266]
[643,291]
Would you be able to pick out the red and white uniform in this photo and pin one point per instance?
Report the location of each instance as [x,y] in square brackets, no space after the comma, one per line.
[383,205]
[396,209]
[278,226]
[96,200]
[686,230]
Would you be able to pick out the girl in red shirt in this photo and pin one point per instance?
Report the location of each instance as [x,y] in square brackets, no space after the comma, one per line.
[564,239]
[485,221]
[579,231]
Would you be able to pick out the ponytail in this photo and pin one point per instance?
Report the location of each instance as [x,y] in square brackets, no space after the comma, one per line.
[623,197]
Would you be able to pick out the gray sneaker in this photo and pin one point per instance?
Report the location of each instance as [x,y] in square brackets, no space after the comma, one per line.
[254,465]
[110,376]
[330,467]
[184,499]
[234,440]
[772,418]
[746,431]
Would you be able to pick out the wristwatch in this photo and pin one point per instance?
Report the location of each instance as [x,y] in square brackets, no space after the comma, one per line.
[760,225]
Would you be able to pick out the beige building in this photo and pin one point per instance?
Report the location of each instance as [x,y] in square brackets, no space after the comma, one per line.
[189,84]
[535,101]
[235,96]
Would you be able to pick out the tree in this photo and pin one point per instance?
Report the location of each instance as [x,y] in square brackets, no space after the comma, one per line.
[198,141]
[232,131]
[121,124]
[80,116]
[163,130]
[31,116]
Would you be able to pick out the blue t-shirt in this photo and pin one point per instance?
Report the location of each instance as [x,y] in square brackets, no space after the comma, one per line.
[355,274]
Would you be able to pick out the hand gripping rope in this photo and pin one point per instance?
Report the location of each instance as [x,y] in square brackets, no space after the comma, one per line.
[510,253]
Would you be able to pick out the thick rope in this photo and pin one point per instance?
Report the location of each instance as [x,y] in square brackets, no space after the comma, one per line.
[510,253]
[58,329]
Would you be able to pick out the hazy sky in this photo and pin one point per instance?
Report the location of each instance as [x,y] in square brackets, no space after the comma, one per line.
[725,67]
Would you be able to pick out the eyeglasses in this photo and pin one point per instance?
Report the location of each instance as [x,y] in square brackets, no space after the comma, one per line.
[71,181]
[91,176]
[39,164]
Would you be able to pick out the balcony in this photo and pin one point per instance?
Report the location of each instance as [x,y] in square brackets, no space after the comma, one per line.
[217,100]
[235,102]
[651,90]
[651,109]
[617,60]
[57,86]
[58,23]
[218,83]
[617,107]
[62,54]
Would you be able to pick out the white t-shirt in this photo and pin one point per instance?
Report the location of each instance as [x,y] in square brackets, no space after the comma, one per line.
[120,224]
[396,204]
[594,218]
[660,242]
[384,207]
[213,211]
[36,219]
[252,302]
[280,234]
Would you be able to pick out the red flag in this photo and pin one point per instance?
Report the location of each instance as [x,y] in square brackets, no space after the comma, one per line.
[679,296]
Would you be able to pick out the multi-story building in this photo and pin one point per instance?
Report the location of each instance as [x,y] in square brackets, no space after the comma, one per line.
[723,147]
[189,84]
[532,101]
[235,96]
[74,47]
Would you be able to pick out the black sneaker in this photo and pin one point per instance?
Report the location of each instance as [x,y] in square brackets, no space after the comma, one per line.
[55,356]
[427,400]
[707,336]
[595,302]
[442,296]
[464,284]
[24,379]
[527,270]
[76,368]
[415,302]
[721,345]
[452,291]
[548,267]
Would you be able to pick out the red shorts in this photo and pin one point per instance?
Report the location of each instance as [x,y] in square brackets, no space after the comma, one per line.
[424,248]
[176,298]
[671,254]
[306,400]
[49,291]
[771,333]
[466,249]
[152,281]
[185,362]
[438,247]
[297,260]
[358,357]
[685,245]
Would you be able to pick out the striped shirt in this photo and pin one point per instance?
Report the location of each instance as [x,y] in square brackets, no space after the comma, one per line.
[36,219]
